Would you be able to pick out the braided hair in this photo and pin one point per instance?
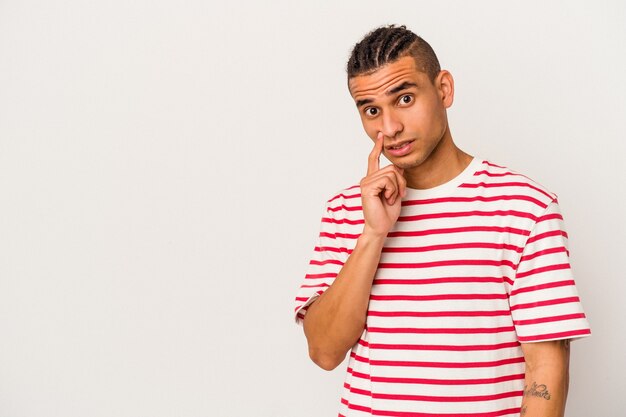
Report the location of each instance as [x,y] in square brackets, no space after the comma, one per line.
[387,44]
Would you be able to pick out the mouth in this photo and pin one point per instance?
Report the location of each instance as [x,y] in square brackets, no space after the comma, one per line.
[400,148]
[399,144]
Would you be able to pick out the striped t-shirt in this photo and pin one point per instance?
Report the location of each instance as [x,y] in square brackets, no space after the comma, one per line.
[471,268]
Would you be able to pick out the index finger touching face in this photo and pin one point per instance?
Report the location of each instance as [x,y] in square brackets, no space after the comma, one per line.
[373,162]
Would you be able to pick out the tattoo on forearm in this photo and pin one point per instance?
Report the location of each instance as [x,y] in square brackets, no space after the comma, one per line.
[522,411]
[535,390]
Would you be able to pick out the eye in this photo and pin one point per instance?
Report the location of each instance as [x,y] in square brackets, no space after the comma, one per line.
[371,111]
[406,99]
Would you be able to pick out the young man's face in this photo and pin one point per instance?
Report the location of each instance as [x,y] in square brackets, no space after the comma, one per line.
[403,104]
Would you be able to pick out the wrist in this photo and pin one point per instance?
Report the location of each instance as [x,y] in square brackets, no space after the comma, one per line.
[372,236]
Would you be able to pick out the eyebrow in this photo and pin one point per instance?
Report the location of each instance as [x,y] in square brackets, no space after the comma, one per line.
[404,86]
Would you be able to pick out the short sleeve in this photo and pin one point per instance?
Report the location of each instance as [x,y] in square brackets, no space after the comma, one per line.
[544,300]
[327,259]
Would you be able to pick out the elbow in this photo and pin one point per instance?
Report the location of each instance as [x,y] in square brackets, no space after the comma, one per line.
[326,361]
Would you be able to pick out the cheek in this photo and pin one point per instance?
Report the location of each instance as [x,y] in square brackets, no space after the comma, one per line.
[426,117]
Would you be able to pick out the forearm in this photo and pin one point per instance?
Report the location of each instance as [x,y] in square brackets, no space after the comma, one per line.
[335,321]
[546,381]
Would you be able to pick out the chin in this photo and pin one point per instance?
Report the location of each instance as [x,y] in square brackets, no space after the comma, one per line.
[407,163]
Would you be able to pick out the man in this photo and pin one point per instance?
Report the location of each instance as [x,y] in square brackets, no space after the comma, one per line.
[446,276]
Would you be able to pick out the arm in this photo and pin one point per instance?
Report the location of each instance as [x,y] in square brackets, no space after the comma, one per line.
[334,322]
[546,379]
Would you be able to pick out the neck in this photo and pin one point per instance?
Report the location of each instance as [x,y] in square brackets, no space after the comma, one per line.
[444,163]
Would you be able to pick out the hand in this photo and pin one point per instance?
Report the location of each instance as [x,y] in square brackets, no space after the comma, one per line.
[381,193]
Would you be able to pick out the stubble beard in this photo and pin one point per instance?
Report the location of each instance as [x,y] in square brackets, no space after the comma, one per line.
[416,160]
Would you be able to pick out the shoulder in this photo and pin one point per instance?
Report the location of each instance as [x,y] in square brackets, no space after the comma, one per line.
[505,180]
[344,210]
[345,198]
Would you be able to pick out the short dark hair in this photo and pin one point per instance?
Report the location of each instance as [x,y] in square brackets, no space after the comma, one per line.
[387,44]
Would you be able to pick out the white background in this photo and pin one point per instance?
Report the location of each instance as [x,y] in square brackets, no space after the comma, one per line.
[164,167]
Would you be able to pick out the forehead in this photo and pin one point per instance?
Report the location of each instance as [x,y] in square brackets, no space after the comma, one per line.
[387,76]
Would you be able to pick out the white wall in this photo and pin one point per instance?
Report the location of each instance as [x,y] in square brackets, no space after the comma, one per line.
[163,169]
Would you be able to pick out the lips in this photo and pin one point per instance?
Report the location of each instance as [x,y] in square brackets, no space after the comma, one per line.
[400,148]
[399,144]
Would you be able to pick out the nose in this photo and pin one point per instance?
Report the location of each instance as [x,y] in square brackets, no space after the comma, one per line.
[391,124]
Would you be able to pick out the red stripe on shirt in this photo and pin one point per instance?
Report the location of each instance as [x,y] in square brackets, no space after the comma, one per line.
[443,330]
[494,313]
[505,184]
[403,380]
[559,335]
[465,229]
[453,262]
[442,280]
[451,348]
[542,269]
[551,319]
[472,199]
[481,213]
[425,364]
[439,297]
[544,303]
[555,284]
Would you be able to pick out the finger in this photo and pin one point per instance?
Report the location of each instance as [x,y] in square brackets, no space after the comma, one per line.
[391,188]
[395,175]
[401,181]
[373,161]
[383,185]
[388,184]
[386,172]
[399,191]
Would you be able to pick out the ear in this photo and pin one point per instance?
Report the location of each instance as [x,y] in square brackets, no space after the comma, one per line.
[445,86]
